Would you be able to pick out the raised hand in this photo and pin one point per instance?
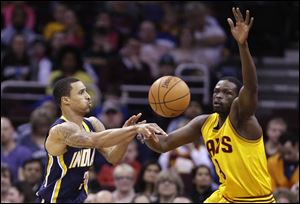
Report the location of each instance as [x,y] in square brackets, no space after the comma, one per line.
[241,29]
[133,119]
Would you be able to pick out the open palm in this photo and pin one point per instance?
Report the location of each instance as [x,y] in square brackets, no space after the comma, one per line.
[241,29]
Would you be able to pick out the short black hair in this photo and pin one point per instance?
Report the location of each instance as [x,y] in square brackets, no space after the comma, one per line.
[234,80]
[289,136]
[33,160]
[62,88]
[195,169]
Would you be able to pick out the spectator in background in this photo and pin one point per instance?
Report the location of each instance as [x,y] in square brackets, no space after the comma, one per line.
[167,66]
[111,114]
[194,109]
[275,128]
[41,121]
[284,166]
[150,53]
[130,157]
[104,22]
[124,16]
[15,64]
[284,195]
[8,10]
[99,55]
[182,199]
[140,198]
[209,35]
[105,176]
[6,180]
[12,154]
[40,63]
[203,185]
[15,195]
[130,68]
[56,42]
[32,173]
[168,185]
[124,178]
[104,196]
[73,30]
[18,26]
[70,64]
[146,180]
[57,23]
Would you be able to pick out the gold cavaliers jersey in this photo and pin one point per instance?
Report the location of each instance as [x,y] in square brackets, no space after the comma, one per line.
[241,164]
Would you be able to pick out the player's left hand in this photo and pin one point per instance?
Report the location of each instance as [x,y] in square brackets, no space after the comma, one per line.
[133,119]
[241,29]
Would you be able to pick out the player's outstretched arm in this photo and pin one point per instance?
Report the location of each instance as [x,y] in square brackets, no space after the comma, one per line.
[115,154]
[247,100]
[187,134]
[70,134]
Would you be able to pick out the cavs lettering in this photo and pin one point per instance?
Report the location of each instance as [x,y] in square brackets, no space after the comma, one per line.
[214,145]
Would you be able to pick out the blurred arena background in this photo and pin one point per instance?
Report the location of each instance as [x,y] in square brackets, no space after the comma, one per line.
[118,49]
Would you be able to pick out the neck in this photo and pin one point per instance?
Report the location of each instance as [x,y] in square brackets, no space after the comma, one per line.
[202,189]
[73,117]
[124,194]
[149,189]
[166,199]
[8,147]
[222,119]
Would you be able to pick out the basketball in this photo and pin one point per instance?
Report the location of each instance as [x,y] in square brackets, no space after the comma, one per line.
[169,96]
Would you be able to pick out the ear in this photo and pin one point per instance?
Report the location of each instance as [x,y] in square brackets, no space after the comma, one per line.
[65,100]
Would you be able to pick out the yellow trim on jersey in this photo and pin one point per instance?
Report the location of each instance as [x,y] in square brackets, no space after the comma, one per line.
[206,121]
[260,199]
[62,165]
[86,127]
[85,184]
[50,162]
[64,118]
[241,137]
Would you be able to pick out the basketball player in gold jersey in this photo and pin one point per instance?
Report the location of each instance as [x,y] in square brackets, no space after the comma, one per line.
[232,134]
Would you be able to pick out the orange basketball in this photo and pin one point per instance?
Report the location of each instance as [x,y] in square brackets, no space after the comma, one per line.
[169,96]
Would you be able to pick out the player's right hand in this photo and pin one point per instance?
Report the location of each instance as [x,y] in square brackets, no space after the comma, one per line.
[150,131]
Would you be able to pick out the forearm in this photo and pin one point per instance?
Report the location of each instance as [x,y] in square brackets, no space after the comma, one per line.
[248,68]
[117,152]
[106,138]
[159,147]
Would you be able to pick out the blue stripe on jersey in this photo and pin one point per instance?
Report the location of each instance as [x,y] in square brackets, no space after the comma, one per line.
[67,175]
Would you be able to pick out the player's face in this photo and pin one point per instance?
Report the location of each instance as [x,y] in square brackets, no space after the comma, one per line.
[223,96]
[80,100]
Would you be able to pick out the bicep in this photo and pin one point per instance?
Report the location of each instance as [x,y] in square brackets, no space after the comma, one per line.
[247,103]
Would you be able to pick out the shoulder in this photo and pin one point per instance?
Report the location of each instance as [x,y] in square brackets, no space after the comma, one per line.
[96,123]
[200,120]
[63,129]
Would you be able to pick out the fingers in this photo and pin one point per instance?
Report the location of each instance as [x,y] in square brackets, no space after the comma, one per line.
[241,18]
[236,16]
[230,22]
[247,17]
[142,122]
[251,22]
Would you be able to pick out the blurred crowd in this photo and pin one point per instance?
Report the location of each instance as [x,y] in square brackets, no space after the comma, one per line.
[105,45]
